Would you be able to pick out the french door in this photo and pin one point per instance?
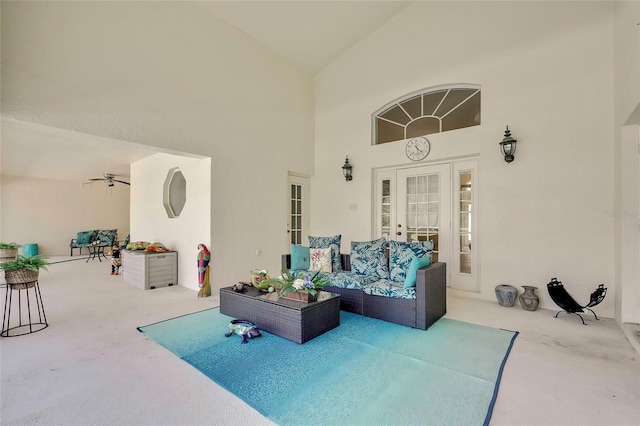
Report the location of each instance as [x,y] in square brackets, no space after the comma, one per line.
[297,209]
[423,209]
[432,203]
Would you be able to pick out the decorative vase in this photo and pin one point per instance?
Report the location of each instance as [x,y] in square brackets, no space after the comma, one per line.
[529,299]
[302,296]
[257,276]
[506,295]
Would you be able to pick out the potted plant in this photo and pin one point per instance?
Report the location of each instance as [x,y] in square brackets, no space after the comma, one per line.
[303,286]
[9,250]
[23,270]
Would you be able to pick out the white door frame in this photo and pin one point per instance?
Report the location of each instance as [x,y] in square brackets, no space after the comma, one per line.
[449,218]
[303,182]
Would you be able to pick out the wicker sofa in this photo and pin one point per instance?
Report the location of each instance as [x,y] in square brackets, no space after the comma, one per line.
[429,304]
[86,238]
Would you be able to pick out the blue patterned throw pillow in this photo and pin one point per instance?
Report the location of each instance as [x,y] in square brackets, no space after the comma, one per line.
[329,242]
[412,270]
[107,236]
[402,253]
[369,258]
[299,257]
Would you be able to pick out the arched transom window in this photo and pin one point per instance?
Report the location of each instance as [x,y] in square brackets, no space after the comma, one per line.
[425,112]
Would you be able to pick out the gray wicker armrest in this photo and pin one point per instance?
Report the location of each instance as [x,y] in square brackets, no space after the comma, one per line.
[431,294]
[286,263]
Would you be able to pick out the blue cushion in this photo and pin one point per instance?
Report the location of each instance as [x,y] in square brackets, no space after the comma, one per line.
[400,256]
[370,258]
[84,237]
[329,242]
[348,279]
[299,257]
[387,288]
[416,263]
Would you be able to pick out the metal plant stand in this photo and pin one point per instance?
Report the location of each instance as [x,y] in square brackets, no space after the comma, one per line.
[26,322]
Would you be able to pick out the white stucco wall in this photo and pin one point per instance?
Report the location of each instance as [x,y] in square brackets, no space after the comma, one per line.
[627,148]
[51,212]
[546,70]
[171,75]
[149,220]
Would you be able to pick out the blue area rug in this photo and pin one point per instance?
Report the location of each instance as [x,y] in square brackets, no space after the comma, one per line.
[364,372]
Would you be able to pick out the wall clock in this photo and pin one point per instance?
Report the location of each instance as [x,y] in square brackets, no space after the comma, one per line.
[418,148]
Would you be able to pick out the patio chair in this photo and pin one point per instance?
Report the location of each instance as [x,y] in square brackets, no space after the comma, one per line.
[568,304]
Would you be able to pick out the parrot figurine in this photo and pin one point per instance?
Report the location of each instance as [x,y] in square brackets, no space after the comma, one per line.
[204,256]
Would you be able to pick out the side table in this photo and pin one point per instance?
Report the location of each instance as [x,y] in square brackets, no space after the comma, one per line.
[96,250]
[26,324]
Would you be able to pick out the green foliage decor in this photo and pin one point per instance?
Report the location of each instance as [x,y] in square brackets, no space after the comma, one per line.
[9,246]
[288,283]
[32,263]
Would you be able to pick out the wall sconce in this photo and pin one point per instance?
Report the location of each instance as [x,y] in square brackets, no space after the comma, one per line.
[508,146]
[346,169]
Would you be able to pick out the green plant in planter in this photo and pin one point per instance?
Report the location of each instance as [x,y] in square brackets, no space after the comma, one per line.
[9,246]
[32,263]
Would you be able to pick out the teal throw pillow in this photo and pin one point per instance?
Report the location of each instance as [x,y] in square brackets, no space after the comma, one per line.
[84,237]
[416,263]
[370,258]
[299,257]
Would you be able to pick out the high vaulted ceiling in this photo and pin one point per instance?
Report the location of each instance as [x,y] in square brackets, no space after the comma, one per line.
[309,34]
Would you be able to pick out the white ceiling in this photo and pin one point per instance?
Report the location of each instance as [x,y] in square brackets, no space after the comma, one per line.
[37,151]
[309,34]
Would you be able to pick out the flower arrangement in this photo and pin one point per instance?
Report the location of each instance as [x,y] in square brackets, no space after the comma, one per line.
[302,281]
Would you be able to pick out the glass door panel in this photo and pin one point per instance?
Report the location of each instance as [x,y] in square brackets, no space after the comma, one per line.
[464,229]
[385,209]
[297,217]
[424,207]
[465,260]
[385,228]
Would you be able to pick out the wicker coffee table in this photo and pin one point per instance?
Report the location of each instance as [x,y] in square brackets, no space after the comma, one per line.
[291,319]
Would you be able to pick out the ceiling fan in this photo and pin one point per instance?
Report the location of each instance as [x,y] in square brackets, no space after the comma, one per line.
[110,179]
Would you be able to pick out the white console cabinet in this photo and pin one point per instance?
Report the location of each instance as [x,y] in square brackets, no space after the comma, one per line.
[150,270]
